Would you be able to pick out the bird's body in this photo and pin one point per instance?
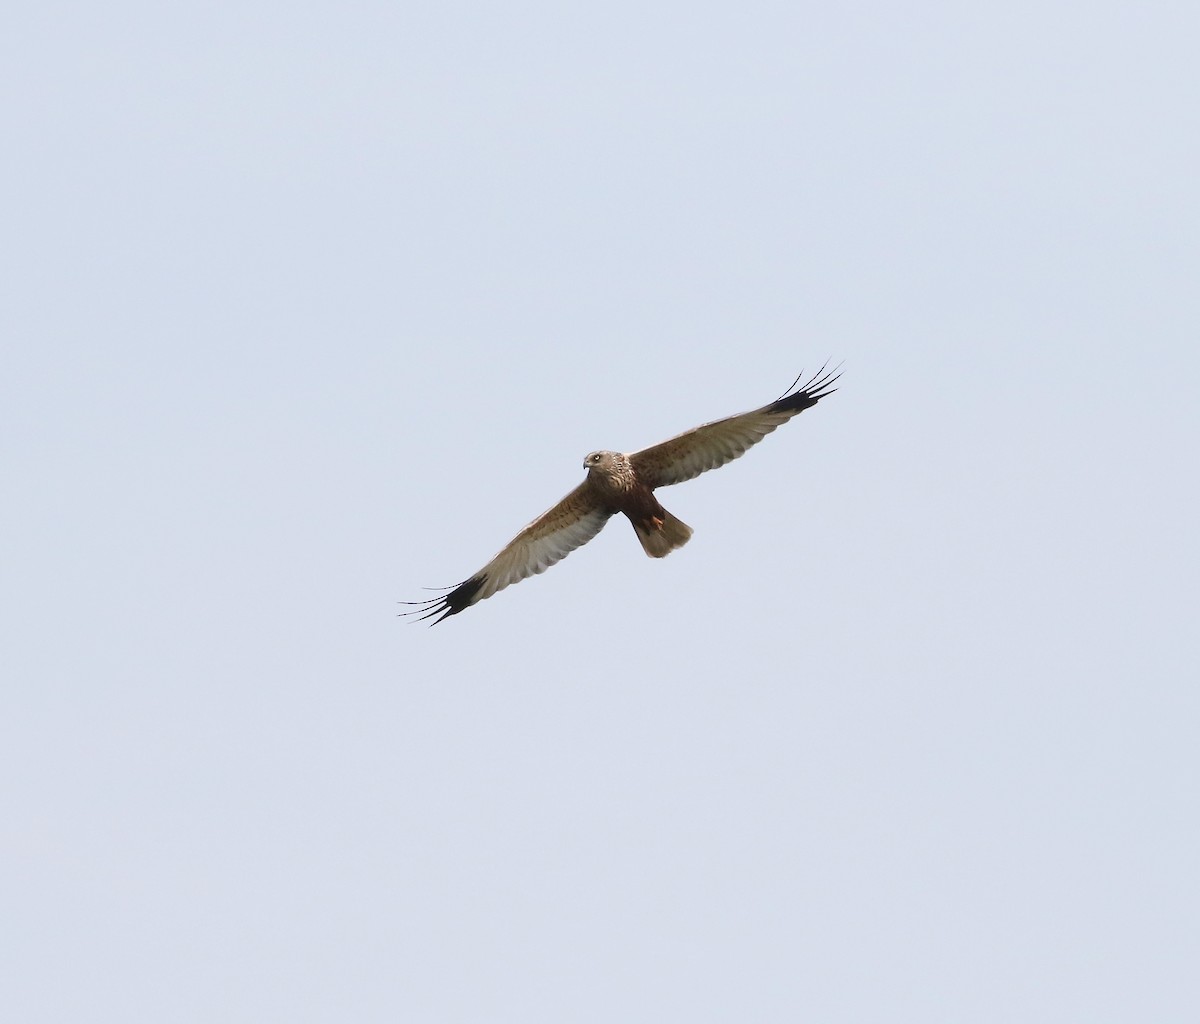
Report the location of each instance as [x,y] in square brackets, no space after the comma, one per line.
[625,483]
[616,484]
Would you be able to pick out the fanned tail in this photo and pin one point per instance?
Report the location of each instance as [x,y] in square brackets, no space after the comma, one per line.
[660,535]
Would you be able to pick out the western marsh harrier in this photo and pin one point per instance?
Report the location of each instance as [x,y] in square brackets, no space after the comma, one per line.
[617,482]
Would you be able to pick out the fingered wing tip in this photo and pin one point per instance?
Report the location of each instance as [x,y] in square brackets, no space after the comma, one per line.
[811,391]
[460,596]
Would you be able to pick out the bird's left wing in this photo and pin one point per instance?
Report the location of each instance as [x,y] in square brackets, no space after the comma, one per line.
[550,537]
[714,444]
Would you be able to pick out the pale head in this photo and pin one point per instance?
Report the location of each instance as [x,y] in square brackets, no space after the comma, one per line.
[603,461]
[610,470]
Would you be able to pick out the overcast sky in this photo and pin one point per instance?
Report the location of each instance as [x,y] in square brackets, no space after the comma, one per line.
[306,307]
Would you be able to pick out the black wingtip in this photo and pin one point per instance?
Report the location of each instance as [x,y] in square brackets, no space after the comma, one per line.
[437,608]
[810,393]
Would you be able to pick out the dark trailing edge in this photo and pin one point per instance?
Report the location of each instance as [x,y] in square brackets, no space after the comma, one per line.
[448,604]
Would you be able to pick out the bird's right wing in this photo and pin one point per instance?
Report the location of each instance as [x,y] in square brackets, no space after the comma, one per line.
[714,444]
[549,538]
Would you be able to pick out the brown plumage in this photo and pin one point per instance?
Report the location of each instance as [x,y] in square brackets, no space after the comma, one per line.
[617,482]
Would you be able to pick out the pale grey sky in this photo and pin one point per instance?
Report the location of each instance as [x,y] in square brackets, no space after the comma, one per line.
[306,307]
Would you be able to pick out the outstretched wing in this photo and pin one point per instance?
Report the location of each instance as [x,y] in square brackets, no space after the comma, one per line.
[714,444]
[550,537]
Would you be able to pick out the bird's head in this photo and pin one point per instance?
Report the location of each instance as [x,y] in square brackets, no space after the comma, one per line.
[602,461]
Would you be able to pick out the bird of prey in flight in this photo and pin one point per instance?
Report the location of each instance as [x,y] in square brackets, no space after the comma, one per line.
[619,482]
